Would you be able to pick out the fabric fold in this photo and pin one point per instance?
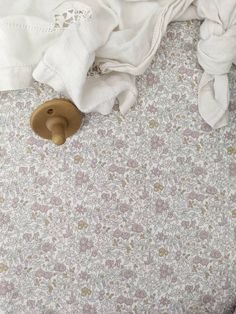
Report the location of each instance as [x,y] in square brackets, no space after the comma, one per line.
[216,54]
[99,93]
[131,47]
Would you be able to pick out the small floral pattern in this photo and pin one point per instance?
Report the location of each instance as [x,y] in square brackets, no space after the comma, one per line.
[134,214]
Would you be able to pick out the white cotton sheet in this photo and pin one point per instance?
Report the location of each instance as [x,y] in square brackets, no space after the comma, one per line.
[56,42]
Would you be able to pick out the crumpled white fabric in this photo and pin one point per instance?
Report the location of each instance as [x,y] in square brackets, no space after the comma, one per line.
[142,25]
[216,54]
[100,93]
[136,29]
[121,37]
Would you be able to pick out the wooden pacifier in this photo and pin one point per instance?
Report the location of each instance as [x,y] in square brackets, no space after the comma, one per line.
[56,120]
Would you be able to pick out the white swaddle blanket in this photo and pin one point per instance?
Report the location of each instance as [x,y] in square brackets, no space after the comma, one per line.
[56,42]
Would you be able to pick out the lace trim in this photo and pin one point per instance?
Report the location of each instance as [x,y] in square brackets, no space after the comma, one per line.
[71,16]
[94,71]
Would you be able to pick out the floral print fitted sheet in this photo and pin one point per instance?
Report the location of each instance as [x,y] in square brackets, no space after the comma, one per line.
[134,214]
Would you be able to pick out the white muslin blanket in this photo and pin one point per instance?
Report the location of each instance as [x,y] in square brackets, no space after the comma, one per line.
[56,42]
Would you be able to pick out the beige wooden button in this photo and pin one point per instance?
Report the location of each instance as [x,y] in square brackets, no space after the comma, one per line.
[56,120]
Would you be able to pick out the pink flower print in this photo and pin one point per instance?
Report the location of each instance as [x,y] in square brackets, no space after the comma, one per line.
[208,299]
[60,267]
[200,260]
[47,247]
[115,168]
[89,309]
[195,196]
[190,133]
[152,108]
[152,79]
[28,237]
[205,127]
[81,178]
[203,235]
[124,300]
[137,228]
[123,207]
[164,301]
[84,275]
[56,200]
[50,311]
[40,273]
[5,287]
[211,190]
[85,244]
[39,207]
[156,142]
[42,180]
[198,171]
[132,163]
[232,169]
[215,254]
[141,294]
[4,219]
[161,206]
[120,144]
[127,274]
[120,234]
[166,271]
